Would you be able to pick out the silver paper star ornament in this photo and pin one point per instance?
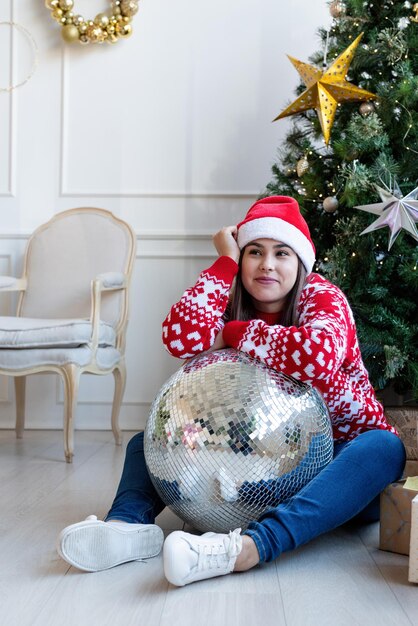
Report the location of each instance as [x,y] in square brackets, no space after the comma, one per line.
[395,212]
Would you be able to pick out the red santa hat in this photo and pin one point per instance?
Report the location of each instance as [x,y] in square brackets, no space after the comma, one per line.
[278,217]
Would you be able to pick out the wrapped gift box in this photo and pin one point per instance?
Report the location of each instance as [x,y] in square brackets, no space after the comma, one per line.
[405,421]
[395,517]
[411,468]
[413,549]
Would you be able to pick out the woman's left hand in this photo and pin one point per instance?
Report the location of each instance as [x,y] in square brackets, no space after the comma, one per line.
[218,344]
[225,242]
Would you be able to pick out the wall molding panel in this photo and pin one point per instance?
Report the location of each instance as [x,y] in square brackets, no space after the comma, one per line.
[10,121]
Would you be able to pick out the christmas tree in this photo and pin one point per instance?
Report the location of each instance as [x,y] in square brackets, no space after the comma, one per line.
[373,142]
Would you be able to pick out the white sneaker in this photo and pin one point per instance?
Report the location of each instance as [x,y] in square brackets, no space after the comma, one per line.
[93,545]
[188,558]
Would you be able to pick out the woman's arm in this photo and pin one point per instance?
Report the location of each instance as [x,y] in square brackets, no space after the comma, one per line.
[196,319]
[194,322]
[313,351]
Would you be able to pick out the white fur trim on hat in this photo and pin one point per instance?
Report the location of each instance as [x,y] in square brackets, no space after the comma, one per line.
[280,230]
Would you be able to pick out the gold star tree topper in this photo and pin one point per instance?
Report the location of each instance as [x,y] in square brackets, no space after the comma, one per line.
[325,89]
[395,212]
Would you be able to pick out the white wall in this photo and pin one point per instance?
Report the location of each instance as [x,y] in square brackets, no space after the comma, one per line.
[170,129]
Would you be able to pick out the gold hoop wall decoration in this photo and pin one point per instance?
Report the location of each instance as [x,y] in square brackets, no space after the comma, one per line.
[34,47]
[110,26]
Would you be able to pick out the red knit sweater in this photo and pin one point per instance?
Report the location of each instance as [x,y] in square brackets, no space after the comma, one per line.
[323,351]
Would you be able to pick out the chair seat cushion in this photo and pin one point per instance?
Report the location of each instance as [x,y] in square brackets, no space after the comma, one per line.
[26,332]
[20,360]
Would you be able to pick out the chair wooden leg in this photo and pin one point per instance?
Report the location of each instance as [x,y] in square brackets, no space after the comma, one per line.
[20,393]
[119,374]
[71,378]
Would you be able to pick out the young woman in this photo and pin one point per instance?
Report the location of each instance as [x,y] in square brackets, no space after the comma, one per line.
[260,297]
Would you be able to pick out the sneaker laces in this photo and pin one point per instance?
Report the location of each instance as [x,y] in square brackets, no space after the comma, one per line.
[221,555]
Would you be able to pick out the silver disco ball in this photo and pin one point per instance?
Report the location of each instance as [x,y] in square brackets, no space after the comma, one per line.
[228,438]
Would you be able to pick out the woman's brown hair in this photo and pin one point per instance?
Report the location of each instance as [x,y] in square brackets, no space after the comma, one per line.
[240,306]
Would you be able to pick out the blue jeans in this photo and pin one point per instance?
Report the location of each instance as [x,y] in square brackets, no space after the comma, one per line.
[348,488]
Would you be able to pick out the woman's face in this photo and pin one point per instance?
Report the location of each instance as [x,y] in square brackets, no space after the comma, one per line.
[269,270]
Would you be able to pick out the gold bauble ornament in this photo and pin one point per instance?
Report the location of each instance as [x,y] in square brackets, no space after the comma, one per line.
[326,89]
[95,33]
[337,8]
[66,5]
[414,18]
[302,166]
[57,14]
[67,19]
[101,20]
[70,33]
[129,7]
[366,108]
[330,204]
[105,26]
[123,29]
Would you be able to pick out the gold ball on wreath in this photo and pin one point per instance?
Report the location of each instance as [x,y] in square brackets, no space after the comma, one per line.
[96,33]
[129,7]
[123,29]
[101,20]
[70,33]
[67,19]
[66,5]
[57,14]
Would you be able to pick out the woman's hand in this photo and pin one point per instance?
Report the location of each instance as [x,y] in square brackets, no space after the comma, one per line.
[225,242]
[219,343]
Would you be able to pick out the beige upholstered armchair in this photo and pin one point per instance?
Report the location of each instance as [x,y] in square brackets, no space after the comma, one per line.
[72,311]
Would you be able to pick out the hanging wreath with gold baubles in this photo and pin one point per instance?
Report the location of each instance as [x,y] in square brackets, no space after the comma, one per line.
[110,26]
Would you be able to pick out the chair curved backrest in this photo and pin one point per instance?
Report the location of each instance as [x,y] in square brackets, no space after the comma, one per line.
[64,255]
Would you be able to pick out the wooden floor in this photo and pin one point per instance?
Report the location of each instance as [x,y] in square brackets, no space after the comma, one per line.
[341,579]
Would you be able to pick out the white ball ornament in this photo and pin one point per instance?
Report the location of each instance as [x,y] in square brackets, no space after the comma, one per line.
[337,8]
[330,204]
